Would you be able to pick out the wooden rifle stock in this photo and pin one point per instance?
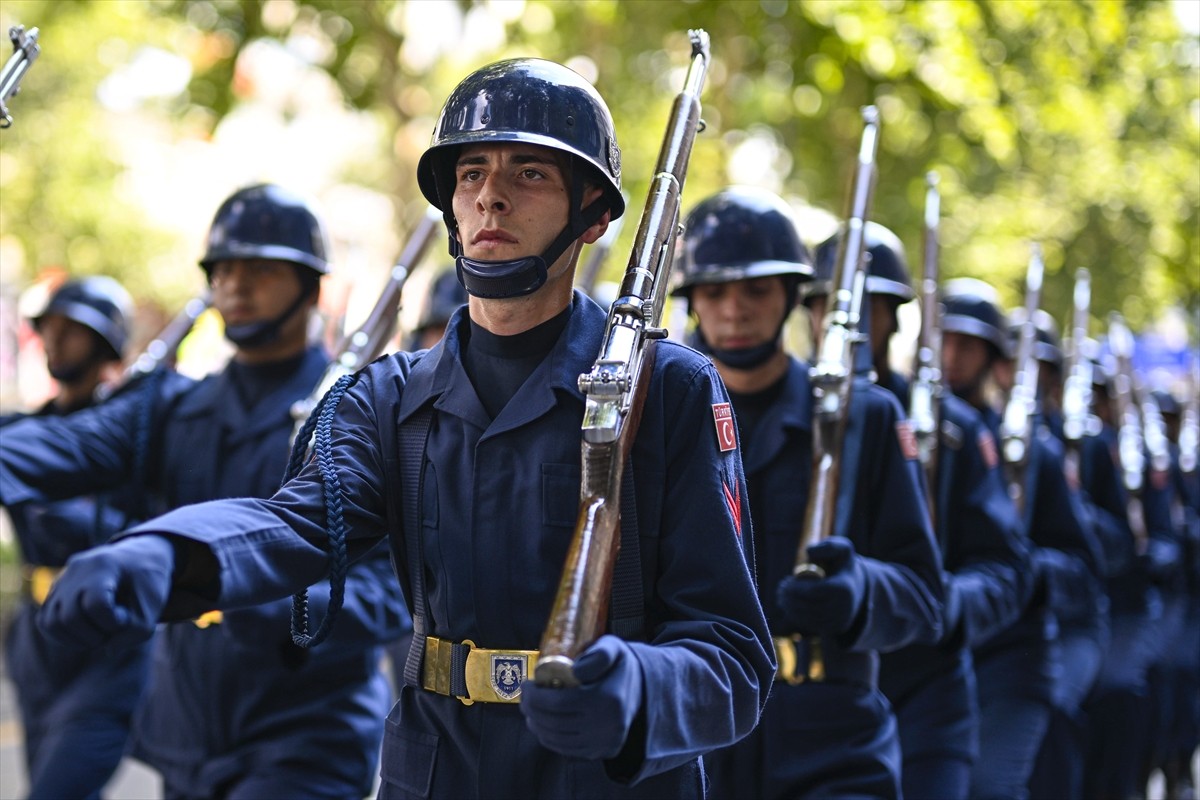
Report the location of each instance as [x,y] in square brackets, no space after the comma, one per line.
[924,407]
[1130,441]
[615,390]
[366,343]
[25,51]
[1016,425]
[833,373]
[1077,388]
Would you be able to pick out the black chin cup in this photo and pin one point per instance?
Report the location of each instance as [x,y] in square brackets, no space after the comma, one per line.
[740,358]
[495,279]
[256,334]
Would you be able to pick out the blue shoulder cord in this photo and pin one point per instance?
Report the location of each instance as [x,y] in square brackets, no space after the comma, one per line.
[322,419]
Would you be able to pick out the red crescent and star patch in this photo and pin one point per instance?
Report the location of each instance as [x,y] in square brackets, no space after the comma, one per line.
[726,429]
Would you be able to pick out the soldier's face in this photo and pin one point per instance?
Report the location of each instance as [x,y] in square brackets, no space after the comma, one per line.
[511,200]
[740,314]
[964,360]
[67,343]
[246,291]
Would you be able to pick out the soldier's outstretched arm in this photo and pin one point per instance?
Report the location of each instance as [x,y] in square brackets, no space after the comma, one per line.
[230,553]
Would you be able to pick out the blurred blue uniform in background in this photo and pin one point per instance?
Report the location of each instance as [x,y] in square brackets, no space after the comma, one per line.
[76,703]
[827,729]
[234,708]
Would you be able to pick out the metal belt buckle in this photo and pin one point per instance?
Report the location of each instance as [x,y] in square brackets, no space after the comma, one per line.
[495,676]
[214,617]
[38,581]
[788,652]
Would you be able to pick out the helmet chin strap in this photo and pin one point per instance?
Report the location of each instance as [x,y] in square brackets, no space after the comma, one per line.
[747,358]
[256,334]
[521,276]
[743,358]
[70,373]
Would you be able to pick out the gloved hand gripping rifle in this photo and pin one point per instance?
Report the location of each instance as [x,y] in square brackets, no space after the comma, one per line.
[615,390]
[833,373]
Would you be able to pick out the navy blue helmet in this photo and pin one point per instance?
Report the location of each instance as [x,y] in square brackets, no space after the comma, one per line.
[98,303]
[738,233]
[269,222]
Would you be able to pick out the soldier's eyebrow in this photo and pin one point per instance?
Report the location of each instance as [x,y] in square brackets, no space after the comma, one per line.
[473,159]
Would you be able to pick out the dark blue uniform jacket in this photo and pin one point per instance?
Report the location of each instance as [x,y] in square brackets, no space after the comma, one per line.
[837,736]
[238,693]
[1066,554]
[75,702]
[986,557]
[497,512]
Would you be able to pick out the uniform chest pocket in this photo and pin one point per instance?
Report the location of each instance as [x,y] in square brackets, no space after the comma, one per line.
[560,494]
[429,497]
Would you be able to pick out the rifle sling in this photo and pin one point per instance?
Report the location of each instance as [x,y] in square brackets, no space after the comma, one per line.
[414,437]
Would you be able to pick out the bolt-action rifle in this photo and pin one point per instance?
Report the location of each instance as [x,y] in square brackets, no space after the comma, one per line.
[1077,388]
[924,407]
[25,51]
[1130,440]
[615,389]
[1020,412]
[832,375]
[366,343]
[161,351]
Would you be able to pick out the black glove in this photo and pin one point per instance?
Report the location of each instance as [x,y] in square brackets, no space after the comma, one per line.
[593,719]
[827,605]
[111,594]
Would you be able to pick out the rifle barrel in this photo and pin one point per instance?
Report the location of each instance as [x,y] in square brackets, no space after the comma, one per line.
[614,390]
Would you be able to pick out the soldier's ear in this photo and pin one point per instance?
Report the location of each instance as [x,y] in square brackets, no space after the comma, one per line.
[592,234]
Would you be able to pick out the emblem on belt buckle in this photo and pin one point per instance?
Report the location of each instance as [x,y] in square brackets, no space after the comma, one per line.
[507,673]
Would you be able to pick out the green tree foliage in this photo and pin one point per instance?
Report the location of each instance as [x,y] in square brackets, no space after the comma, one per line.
[1076,124]
[62,201]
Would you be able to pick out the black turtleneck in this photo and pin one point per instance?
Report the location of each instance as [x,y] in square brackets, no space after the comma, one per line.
[253,382]
[749,409]
[498,365]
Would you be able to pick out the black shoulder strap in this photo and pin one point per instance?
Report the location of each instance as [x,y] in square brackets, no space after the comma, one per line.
[413,438]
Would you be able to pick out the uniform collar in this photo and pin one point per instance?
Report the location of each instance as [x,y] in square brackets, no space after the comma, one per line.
[791,412]
[439,376]
[216,397]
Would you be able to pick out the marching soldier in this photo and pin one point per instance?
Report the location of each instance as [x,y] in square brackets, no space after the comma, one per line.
[1181,698]
[827,729]
[1015,669]
[1082,635]
[984,554]
[1141,552]
[233,708]
[479,440]
[76,703]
